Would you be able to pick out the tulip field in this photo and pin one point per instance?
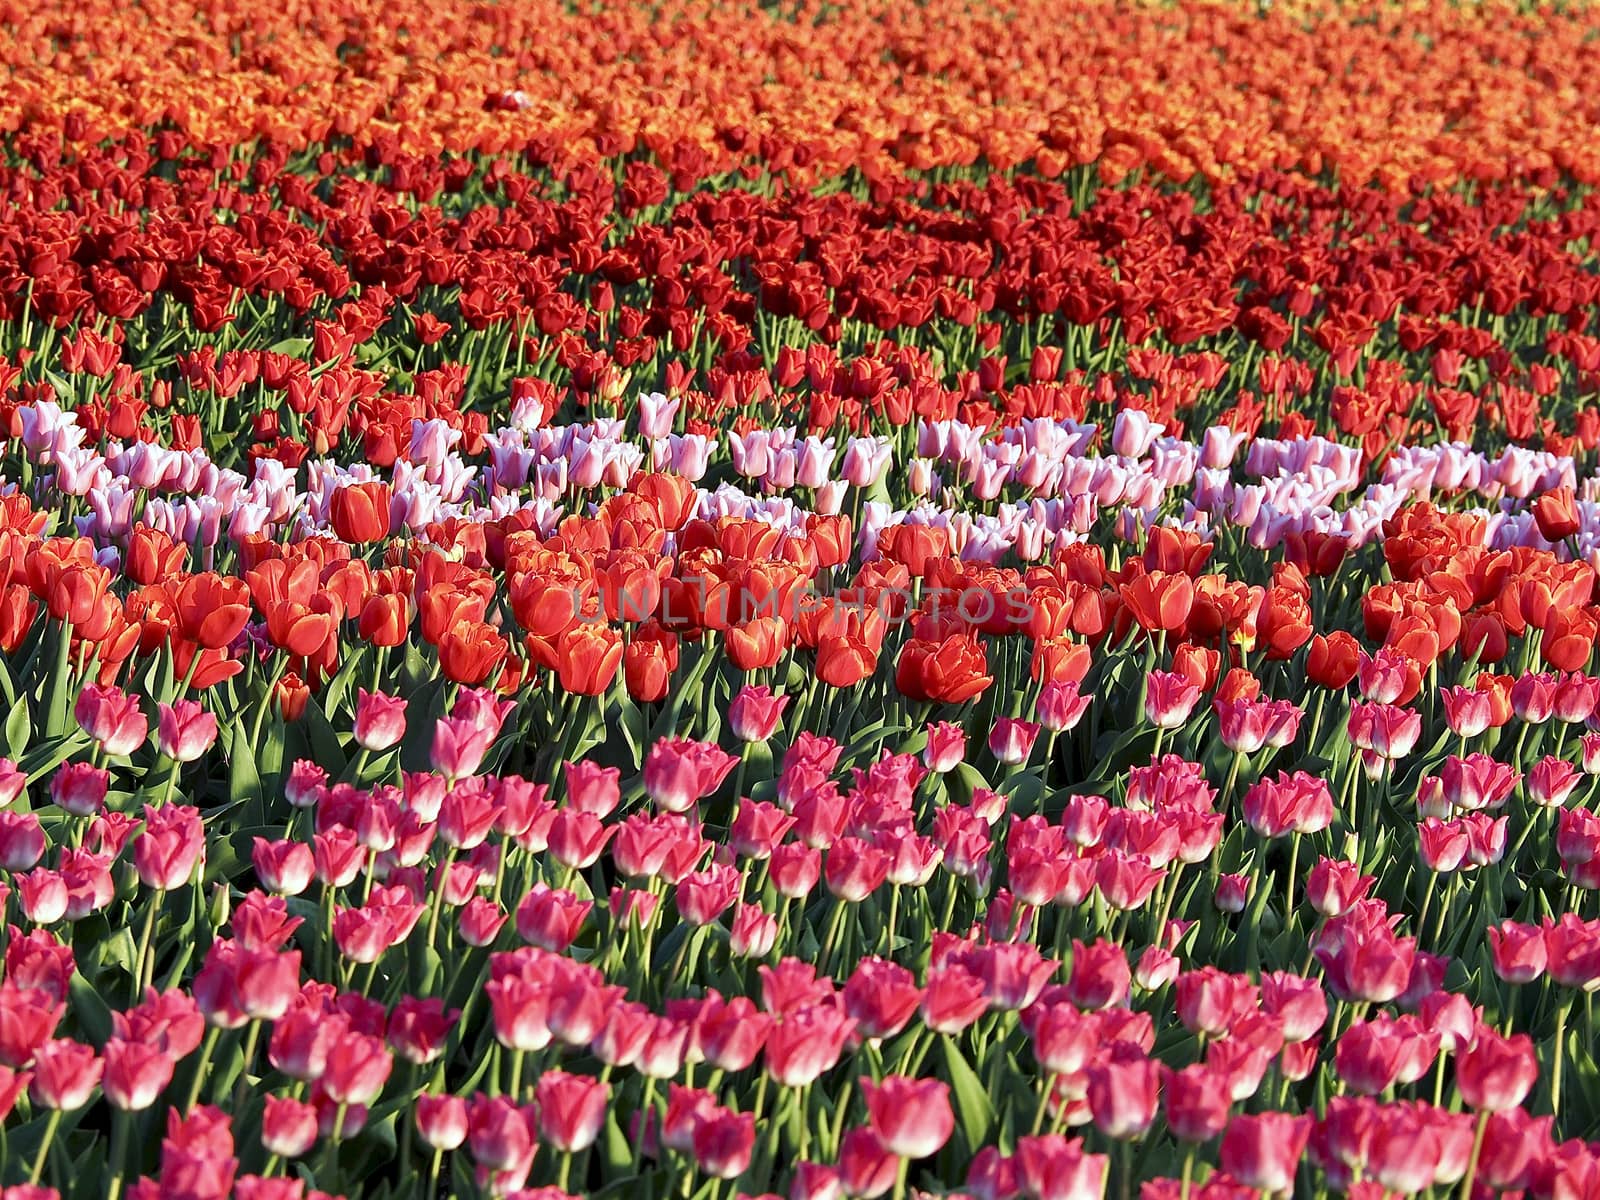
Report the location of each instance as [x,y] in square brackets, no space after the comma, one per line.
[714,599]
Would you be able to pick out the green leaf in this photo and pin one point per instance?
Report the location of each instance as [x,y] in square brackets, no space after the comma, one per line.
[19,728]
[969,778]
[974,1111]
[421,706]
[634,729]
[94,1016]
[244,781]
[617,1151]
[325,746]
[868,740]
[1024,790]
[425,970]
[339,685]
[45,757]
[667,724]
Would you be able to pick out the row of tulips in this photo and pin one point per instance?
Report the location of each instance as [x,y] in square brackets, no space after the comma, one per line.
[1432,92]
[728,602]
[322,989]
[227,320]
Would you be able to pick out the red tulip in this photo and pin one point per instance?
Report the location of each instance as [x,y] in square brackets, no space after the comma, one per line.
[806,1043]
[866,1168]
[360,512]
[951,671]
[1518,951]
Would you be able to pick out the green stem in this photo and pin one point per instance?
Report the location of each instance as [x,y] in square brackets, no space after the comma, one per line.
[1427,901]
[1288,890]
[143,969]
[646,1106]
[900,1176]
[119,1149]
[438,894]
[516,1075]
[44,1146]
[201,1067]
[834,922]
[250,1038]
[1477,1151]
[1045,1093]
[433,1175]
[1559,1056]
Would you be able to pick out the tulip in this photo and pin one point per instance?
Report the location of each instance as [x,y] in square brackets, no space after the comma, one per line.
[1232,893]
[1263,1151]
[946,748]
[1518,951]
[380,720]
[459,747]
[806,1044]
[358,1067]
[65,1074]
[881,996]
[283,867]
[912,1118]
[867,1168]
[723,1143]
[679,772]
[171,846]
[572,1110]
[80,788]
[499,1134]
[418,1029]
[591,788]
[755,712]
[1496,1073]
[135,1074]
[288,1127]
[359,512]
[111,717]
[1169,699]
[754,932]
[1053,1168]
[1197,1103]
[703,896]
[43,895]
[1060,707]
[1011,741]
[441,1121]
[1122,1095]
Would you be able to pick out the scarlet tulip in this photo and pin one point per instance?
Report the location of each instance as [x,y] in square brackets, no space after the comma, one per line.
[951,671]
[360,512]
[587,658]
